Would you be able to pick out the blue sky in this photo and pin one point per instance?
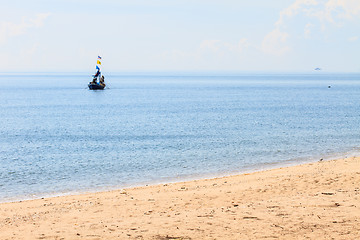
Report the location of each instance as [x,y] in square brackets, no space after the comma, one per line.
[164,35]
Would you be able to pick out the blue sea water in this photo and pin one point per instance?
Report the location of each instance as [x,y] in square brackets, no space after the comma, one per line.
[57,137]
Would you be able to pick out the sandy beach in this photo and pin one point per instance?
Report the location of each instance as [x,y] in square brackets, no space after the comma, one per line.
[311,201]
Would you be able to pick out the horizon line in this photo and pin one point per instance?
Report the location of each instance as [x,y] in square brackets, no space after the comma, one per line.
[176,73]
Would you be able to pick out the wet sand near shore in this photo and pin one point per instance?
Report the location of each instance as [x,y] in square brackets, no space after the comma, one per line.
[311,201]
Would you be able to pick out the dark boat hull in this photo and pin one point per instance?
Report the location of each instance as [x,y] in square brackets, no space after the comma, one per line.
[94,86]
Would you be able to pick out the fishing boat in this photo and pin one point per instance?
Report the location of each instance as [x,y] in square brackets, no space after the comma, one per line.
[98,82]
[97,85]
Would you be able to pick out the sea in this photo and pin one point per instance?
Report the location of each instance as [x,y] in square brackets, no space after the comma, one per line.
[59,138]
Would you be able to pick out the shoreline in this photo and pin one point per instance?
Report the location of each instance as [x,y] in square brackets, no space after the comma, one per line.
[193,177]
[318,200]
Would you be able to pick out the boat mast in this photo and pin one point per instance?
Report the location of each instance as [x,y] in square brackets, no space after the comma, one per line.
[98,63]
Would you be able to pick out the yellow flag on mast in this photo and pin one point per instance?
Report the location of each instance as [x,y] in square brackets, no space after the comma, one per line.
[98,62]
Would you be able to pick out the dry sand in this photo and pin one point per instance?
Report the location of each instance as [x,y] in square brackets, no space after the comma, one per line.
[315,201]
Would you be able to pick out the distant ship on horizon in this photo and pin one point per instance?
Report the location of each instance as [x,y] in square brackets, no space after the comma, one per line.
[317,69]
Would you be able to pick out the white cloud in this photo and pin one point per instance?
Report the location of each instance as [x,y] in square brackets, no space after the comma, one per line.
[353,39]
[342,9]
[325,11]
[307,30]
[221,47]
[39,20]
[335,11]
[212,45]
[178,54]
[294,9]
[10,29]
[275,43]
[241,45]
[210,50]
[32,50]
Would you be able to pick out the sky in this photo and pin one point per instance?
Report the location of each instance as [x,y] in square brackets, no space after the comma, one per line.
[180,35]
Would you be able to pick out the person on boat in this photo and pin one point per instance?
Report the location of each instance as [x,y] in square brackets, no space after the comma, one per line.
[97,73]
[102,80]
[95,77]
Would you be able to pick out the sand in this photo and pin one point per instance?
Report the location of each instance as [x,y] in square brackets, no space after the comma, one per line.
[311,201]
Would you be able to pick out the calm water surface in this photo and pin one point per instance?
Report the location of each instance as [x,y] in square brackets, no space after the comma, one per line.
[57,137]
